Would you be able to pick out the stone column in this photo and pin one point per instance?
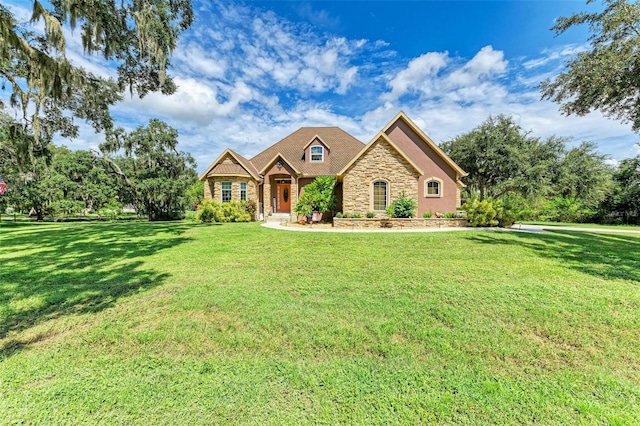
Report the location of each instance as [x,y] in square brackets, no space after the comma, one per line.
[294,195]
[266,197]
[207,190]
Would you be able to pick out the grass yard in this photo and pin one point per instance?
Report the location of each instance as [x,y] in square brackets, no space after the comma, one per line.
[152,323]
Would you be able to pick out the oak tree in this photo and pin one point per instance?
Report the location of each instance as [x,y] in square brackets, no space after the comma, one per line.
[137,36]
[607,76]
[154,174]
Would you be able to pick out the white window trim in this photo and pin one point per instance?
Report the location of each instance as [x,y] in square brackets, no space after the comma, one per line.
[245,191]
[321,160]
[440,185]
[386,201]
[222,190]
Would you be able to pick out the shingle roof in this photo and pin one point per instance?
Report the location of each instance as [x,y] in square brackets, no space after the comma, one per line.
[228,169]
[243,167]
[343,147]
[246,164]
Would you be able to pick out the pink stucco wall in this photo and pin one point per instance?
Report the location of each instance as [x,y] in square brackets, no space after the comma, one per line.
[432,165]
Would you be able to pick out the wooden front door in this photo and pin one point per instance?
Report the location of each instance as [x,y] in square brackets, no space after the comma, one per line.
[284,198]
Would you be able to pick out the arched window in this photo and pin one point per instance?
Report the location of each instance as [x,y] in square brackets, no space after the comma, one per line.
[380,195]
[433,187]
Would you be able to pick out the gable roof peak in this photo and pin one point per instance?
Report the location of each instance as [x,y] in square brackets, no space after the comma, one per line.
[316,137]
[246,164]
[381,136]
[426,139]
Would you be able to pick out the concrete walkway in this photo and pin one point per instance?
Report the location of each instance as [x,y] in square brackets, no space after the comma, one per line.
[541,228]
[515,228]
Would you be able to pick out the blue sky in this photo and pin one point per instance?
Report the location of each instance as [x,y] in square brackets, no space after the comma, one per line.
[250,73]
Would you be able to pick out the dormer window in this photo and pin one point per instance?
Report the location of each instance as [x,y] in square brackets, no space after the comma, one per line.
[317,154]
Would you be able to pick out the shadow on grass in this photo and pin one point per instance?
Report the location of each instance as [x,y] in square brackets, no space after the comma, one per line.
[51,271]
[608,256]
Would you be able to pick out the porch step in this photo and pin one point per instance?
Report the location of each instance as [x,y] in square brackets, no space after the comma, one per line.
[279,217]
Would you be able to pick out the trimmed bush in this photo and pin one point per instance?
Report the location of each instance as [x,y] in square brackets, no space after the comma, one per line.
[214,211]
[402,207]
[206,212]
[427,215]
[489,212]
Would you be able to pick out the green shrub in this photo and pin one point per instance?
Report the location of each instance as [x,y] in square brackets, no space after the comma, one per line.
[252,209]
[214,211]
[450,215]
[111,210]
[318,196]
[402,207]
[481,213]
[339,215]
[561,209]
[356,216]
[207,211]
[371,215]
[427,215]
[235,211]
[489,212]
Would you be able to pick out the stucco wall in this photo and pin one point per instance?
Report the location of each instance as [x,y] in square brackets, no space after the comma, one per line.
[325,151]
[433,166]
[383,162]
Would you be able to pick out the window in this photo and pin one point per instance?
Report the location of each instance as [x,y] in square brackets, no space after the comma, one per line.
[226,192]
[380,195]
[243,191]
[317,153]
[433,187]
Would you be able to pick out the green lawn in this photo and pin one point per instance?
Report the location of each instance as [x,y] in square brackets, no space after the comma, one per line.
[149,323]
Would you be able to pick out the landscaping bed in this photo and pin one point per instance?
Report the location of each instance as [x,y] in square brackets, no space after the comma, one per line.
[432,222]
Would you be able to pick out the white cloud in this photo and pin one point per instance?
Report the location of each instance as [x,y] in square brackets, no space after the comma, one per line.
[346,80]
[418,75]
[555,54]
[194,101]
[434,74]
[486,63]
[200,61]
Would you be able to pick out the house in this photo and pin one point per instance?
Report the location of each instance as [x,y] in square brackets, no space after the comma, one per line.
[400,158]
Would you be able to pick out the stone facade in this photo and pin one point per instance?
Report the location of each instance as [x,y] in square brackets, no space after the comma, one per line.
[399,223]
[213,188]
[380,162]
